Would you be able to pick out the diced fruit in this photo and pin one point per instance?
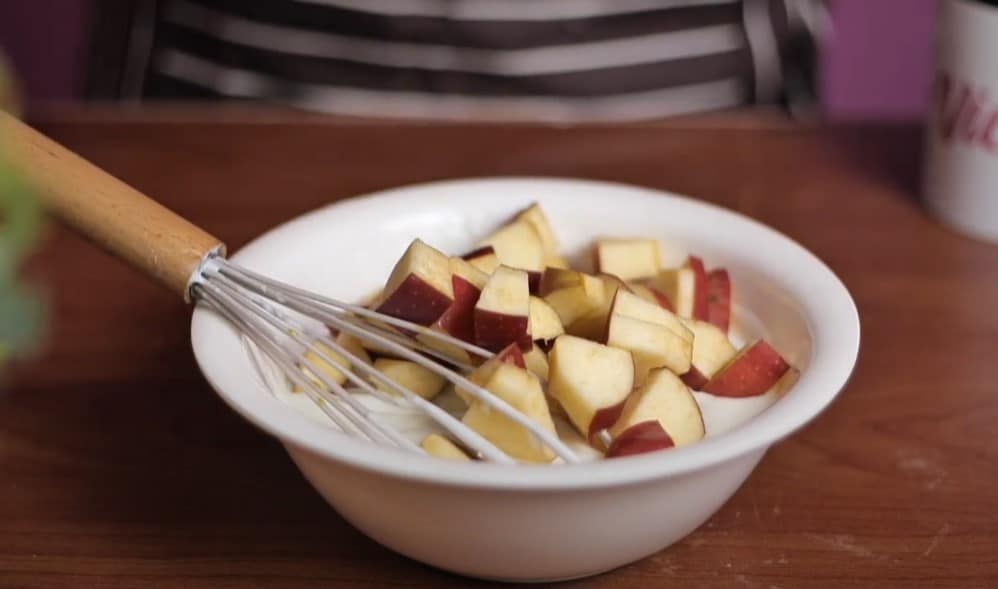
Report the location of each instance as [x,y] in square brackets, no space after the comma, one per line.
[503,310]
[419,288]
[711,351]
[571,294]
[539,221]
[421,381]
[328,370]
[449,350]
[631,305]
[699,310]
[459,319]
[652,345]
[640,438]
[664,399]
[518,246]
[537,362]
[483,258]
[511,354]
[719,298]
[678,284]
[544,323]
[441,447]
[753,371]
[555,261]
[593,325]
[461,268]
[354,345]
[652,295]
[590,381]
[630,259]
[522,390]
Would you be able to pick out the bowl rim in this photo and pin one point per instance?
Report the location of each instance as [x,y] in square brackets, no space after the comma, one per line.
[833,325]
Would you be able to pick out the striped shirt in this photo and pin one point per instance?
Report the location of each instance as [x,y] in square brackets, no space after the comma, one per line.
[504,60]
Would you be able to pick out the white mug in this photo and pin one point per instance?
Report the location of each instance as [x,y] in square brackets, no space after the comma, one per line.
[961,165]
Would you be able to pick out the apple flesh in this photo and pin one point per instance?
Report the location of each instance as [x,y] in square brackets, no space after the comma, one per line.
[651,345]
[679,286]
[511,354]
[517,245]
[593,325]
[461,268]
[441,447]
[535,217]
[630,259]
[332,371]
[502,313]
[666,400]
[719,298]
[647,436]
[536,361]
[650,294]
[523,391]
[409,375]
[711,351]
[483,259]
[590,381]
[571,294]
[753,371]
[419,288]
[544,323]
[555,261]
[631,305]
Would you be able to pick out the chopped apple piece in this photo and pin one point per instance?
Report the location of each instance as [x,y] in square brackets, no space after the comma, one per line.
[665,399]
[483,259]
[719,298]
[650,294]
[590,381]
[700,306]
[571,294]
[651,344]
[753,371]
[441,447]
[354,345]
[518,246]
[630,259]
[539,221]
[679,285]
[522,390]
[511,354]
[419,288]
[593,325]
[422,381]
[640,438]
[461,268]
[544,323]
[459,319]
[631,305]
[555,261]
[447,349]
[502,314]
[330,371]
[537,362]
[711,351]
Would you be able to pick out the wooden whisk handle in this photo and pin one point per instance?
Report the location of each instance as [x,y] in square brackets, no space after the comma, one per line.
[121,219]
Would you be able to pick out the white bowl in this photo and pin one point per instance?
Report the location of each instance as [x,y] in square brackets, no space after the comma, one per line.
[538,522]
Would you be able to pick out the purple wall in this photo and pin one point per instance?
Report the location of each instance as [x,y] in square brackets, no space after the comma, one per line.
[890,39]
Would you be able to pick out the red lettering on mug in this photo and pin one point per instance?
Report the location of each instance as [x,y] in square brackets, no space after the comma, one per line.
[965,113]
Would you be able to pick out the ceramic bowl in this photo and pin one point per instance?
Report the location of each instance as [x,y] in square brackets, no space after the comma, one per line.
[555,521]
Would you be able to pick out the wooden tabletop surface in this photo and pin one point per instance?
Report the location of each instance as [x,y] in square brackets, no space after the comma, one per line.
[119,467]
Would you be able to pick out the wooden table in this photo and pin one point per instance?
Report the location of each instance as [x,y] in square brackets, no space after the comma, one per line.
[120,468]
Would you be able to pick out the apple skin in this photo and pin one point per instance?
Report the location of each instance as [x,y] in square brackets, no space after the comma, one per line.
[663,300]
[478,252]
[603,419]
[512,354]
[459,319]
[700,306]
[647,436]
[719,298]
[752,372]
[534,281]
[494,331]
[693,378]
[416,301]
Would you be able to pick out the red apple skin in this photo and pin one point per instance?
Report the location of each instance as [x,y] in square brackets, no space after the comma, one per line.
[752,372]
[512,354]
[700,307]
[603,419]
[459,319]
[415,300]
[494,331]
[647,436]
[482,251]
[694,379]
[719,298]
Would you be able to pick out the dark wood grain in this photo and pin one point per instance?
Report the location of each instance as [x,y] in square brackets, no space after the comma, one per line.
[120,468]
